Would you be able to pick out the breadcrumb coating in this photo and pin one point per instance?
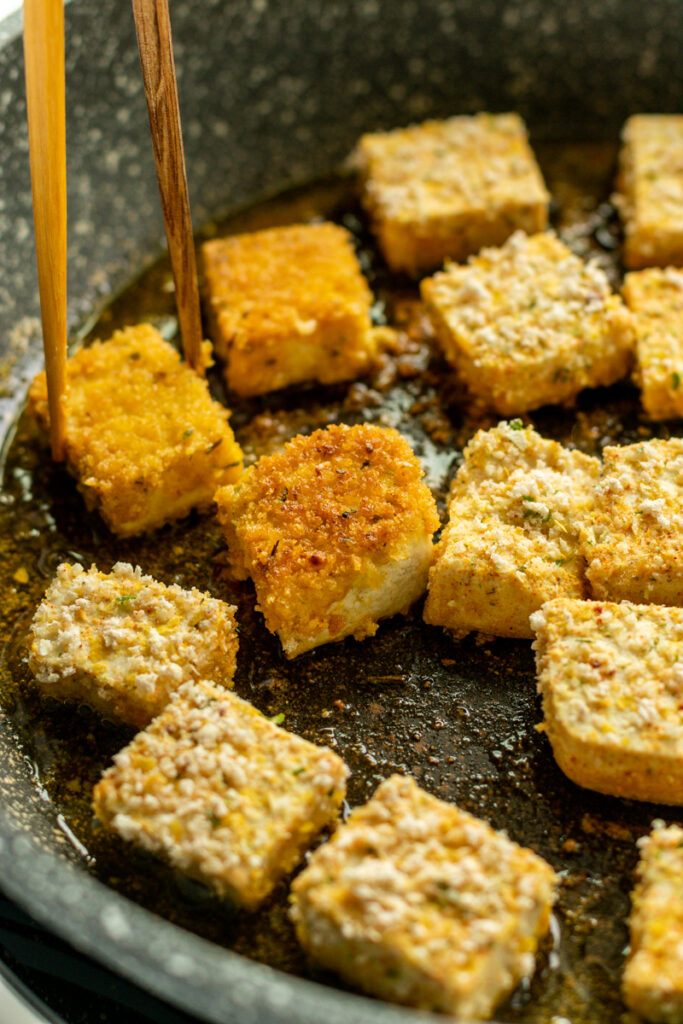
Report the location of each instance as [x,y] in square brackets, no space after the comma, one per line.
[655,297]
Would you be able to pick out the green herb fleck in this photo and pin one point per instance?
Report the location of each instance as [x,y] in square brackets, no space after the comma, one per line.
[675,381]
[283,499]
[212,447]
[278,719]
[214,819]
[188,433]
[299,770]
[516,425]
[125,598]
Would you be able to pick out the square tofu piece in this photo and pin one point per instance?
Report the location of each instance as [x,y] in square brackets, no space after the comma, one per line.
[650,188]
[653,979]
[335,531]
[221,793]
[611,678]
[634,541]
[655,297]
[123,643]
[416,901]
[512,539]
[288,305]
[443,189]
[529,323]
[144,438]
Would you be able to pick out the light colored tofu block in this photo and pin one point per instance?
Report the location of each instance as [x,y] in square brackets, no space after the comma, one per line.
[444,189]
[288,305]
[653,978]
[529,323]
[122,643]
[634,540]
[335,531]
[418,902]
[144,439]
[650,190]
[655,297]
[221,793]
[512,539]
[611,679]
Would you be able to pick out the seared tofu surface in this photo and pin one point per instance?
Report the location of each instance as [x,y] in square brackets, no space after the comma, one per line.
[418,902]
[611,679]
[144,439]
[529,323]
[634,540]
[653,979]
[512,538]
[222,793]
[650,190]
[655,297]
[444,189]
[335,531]
[288,305]
[122,643]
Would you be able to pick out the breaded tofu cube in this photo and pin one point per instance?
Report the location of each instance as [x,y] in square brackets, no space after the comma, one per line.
[123,643]
[634,541]
[529,323]
[287,305]
[418,902]
[611,679]
[655,297]
[444,189]
[144,439]
[512,539]
[653,978]
[221,793]
[650,190]
[335,531]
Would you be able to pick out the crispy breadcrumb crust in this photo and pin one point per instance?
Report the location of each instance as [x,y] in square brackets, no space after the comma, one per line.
[221,793]
[287,305]
[611,679]
[653,979]
[322,521]
[418,902]
[123,643]
[650,190]
[444,189]
[144,438]
[529,323]
[655,297]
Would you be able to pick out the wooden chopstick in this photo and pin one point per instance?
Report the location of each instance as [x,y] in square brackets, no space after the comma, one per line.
[44,63]
[153,26]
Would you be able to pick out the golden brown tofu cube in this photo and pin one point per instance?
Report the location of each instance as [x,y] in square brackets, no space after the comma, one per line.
[335,531]
[123,643]
[650,185]
[529,323]
[418,902]
[144,438]
[512,540]
[634,540]
[288,305]
[221,793]
[653,979]
[655,297]
[611,678]
[444,189]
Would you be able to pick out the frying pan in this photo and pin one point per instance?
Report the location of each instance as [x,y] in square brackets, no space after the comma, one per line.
[275,94]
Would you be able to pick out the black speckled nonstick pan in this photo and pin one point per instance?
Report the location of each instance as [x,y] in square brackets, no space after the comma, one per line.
[273,96]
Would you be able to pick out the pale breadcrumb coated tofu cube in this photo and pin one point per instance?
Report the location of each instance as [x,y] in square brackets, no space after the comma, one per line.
[123,643]
[288,305]
[650,190]
[655,297]
[418,902]
[144,439]
[221,793]
[444,189]
[634,540]
[335,531]
[512,539]
[653,978]
[529,323]
[611,679]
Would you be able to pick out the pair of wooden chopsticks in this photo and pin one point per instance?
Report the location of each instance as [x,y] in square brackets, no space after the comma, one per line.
[45,100]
